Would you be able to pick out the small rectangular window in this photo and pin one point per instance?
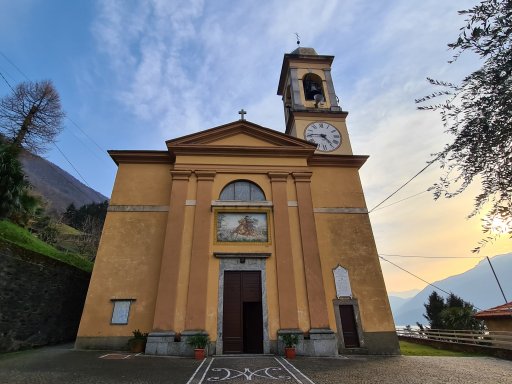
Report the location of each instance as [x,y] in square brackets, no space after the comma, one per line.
[121,311]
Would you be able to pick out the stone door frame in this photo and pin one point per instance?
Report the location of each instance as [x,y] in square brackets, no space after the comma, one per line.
[239,263]
[341,343]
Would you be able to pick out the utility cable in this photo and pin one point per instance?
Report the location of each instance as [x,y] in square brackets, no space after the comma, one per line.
[76,170]
[15,66]
[416,276]
[399,201]
[434,257]
[425,281]
[403,185]
[67,117]
[89,137]
[3,77]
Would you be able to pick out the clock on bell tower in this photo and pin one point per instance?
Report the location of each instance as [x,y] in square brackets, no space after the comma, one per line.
[310,103]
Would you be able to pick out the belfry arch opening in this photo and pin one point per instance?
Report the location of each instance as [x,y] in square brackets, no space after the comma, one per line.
[312,86]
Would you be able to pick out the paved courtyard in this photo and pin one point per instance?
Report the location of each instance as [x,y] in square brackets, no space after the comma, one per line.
[62,364]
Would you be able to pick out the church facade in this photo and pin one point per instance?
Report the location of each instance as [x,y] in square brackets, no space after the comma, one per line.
[245,234]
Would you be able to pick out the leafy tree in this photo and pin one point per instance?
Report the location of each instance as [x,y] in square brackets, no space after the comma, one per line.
[478,113]
[16,202]
[433,309]
[460,318]
[454,313]
[89,220]
[13,185]
[70,215]
[454,301]
[31,116]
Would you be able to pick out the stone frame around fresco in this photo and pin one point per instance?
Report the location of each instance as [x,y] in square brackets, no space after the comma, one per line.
[244,211]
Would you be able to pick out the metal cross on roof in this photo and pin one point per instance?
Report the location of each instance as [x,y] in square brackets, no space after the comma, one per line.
[242,113]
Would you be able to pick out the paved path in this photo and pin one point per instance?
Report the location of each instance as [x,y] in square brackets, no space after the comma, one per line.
[62,365]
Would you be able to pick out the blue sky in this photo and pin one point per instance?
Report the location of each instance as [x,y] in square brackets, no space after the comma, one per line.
[132,74]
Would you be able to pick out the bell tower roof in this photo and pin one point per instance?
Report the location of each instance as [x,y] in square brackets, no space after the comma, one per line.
[305,51]
[300,55]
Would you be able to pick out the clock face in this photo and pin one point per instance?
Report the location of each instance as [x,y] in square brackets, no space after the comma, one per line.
[324,135]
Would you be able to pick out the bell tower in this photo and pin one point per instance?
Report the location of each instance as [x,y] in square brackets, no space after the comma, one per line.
[310,103]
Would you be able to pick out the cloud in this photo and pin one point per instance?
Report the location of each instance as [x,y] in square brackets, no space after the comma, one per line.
[177,67]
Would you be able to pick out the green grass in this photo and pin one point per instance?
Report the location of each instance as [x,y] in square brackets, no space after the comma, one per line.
[65,229]
[12,233]
[413,349]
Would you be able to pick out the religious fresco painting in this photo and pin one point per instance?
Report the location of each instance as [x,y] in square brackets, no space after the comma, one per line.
[242,227]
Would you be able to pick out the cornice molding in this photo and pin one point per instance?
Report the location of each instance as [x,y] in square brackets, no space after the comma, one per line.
[278,176]
[302,177]
[348,161]
[180,174]
[232,150]
[140,156]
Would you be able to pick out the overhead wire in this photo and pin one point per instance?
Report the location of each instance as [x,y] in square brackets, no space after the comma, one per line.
[399,201]
[425,281]
[433,257]
[6,81]
[72,121]
[65,157]
[403,185]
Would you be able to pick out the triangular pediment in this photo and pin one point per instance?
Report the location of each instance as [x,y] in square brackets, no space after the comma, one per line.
[239,135]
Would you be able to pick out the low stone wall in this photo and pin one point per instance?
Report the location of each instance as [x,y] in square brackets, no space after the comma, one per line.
[41,299]
[496,352]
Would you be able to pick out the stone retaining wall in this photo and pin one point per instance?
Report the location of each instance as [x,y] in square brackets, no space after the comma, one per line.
[41,299]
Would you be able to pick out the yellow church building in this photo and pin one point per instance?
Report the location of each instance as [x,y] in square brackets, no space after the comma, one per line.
[246,234]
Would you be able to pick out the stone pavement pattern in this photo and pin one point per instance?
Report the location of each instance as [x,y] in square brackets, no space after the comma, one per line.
[408,370]
[62,365]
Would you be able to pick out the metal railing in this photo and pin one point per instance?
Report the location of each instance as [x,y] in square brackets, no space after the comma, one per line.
[491,339]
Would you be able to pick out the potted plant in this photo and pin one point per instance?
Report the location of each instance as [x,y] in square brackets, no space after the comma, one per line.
[199,343]
[137,343]
[290,340]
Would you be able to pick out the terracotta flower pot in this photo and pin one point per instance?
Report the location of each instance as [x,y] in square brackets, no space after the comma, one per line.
[199,353]
[290,353]
[137,345]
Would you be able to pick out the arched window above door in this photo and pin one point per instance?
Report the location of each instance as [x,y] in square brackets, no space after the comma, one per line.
[242,190]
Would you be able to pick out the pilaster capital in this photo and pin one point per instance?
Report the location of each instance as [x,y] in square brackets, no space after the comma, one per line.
[304,177]
[180,175]
[205,175]
[278,176]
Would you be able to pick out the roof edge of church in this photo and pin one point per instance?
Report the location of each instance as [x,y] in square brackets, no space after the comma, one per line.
[139,156]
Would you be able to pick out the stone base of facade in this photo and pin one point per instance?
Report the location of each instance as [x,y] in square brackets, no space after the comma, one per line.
[381,343]
[111,343]
[167,344]
[320,342]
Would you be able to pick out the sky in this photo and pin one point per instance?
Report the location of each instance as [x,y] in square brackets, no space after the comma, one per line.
[132,74]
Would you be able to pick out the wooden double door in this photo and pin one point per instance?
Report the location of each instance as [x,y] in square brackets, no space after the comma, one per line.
[242,327]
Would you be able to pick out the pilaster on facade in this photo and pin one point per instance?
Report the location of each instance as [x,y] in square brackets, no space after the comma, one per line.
[165,306]
[200,255]
[311,254]
[288,314]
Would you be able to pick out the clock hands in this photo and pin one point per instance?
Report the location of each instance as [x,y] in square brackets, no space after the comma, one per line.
[322,135]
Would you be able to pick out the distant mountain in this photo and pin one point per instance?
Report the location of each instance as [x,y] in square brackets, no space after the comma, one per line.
[405,294]
[396,302]
[476,285]
[55,185]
